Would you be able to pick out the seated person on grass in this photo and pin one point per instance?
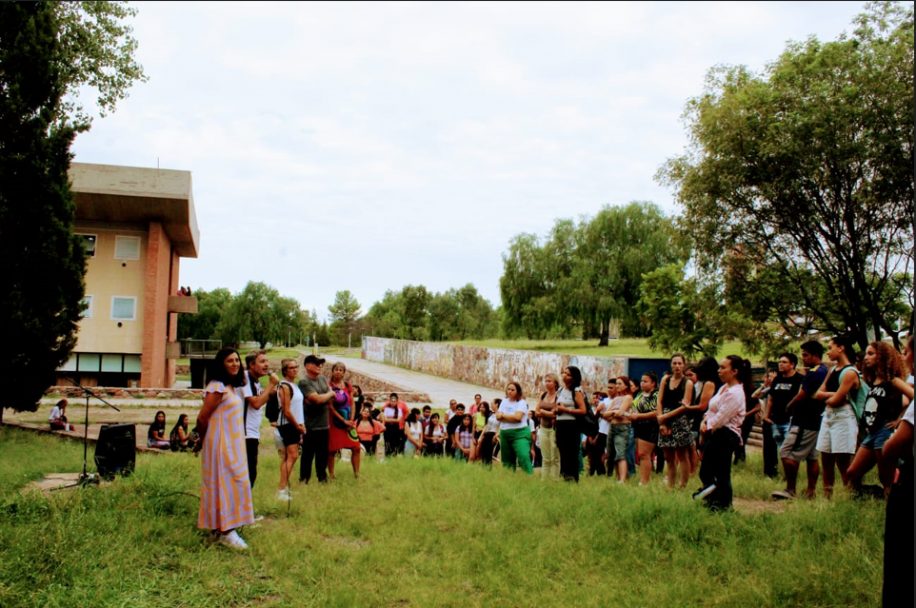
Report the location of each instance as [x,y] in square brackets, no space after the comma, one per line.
[58,419]
[179,438]
[156,435]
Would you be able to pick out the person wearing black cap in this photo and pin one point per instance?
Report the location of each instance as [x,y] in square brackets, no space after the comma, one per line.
[317,395]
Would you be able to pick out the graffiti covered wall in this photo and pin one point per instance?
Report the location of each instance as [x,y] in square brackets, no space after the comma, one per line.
[492,367]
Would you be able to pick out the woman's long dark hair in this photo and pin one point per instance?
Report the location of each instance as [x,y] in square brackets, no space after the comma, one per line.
[183,417]
[743,366]
[156,425]
[431,426]
[576,377]
[219,369]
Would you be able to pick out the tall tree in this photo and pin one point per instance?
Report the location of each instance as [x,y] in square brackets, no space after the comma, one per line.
[345,308]
[49,52]
[258,313]
[681,315]
[622,244]
[806,170]
[40,303]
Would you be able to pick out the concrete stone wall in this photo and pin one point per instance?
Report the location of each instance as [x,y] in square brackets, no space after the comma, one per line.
[379,390]
[492,367]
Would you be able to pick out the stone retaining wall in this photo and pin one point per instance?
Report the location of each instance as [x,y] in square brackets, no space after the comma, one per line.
[71,392]
[378,389]
[492,367]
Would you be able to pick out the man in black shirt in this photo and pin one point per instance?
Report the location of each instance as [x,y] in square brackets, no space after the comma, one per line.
[806,411]
[453,423]
[776,422]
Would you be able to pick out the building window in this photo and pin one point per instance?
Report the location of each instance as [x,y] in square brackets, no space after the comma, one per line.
[89,242]
[127,247]
[123,308]
[87,314]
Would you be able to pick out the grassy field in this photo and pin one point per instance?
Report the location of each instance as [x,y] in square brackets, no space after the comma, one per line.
[633,347]
[423,533]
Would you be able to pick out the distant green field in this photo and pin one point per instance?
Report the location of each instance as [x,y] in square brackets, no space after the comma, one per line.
[632,347]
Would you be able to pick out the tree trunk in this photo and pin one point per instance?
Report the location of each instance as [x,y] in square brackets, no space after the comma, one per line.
[605,332]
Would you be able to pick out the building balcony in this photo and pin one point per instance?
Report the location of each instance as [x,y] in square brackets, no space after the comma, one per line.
[183,304]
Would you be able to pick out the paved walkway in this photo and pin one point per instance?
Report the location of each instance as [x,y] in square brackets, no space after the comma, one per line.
[441,390]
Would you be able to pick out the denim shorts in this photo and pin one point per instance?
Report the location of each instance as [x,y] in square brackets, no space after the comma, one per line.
[876,439]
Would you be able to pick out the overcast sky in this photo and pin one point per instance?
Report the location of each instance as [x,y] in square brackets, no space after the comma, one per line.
[371,146]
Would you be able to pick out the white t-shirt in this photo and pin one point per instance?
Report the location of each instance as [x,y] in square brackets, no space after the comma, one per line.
[604,426]
[55,414]
[295,403]
[415,429]
[253,416]
[511,407]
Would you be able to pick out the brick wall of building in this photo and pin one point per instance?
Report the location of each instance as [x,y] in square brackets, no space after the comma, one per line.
[155,308]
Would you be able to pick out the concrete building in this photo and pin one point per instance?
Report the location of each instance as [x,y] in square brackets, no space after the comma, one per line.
[136,225]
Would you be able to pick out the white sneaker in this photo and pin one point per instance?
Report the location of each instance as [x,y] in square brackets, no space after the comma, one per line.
[232,540]
[704,492]
[284,494]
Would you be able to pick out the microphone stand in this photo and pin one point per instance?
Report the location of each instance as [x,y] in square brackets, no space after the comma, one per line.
[85,478]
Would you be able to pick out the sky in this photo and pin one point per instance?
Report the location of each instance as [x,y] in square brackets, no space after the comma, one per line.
[366,147]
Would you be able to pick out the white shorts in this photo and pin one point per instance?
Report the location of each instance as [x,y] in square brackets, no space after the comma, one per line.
[839,431]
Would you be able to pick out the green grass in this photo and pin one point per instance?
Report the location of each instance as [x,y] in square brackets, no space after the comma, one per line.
[633,347]
[424,533]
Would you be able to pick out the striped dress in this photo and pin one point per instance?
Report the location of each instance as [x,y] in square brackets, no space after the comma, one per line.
[225,494]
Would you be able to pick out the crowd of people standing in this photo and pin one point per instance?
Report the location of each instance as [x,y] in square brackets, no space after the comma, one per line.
[694,420]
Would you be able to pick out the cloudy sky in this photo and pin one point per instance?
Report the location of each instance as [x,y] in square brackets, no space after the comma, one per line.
[371,146]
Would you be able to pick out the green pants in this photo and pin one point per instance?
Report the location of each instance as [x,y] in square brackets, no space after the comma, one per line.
[515,444]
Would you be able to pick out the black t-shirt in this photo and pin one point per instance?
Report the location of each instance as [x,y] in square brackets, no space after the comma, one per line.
[453,424]
[883,404]
[807,413]
[782,391]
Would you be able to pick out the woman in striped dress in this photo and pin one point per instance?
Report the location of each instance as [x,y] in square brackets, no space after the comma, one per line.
[225,495]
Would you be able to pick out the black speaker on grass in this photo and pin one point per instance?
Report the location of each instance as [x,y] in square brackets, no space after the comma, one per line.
[116,450]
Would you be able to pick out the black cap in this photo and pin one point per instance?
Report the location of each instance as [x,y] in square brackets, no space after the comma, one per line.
[313,359]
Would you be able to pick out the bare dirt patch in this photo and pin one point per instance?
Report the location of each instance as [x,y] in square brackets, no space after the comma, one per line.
[749,506]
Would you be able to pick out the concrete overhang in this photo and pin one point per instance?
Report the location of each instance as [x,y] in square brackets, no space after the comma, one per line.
[111,193]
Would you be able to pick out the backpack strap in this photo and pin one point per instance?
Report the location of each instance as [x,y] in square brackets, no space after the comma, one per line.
[282,416]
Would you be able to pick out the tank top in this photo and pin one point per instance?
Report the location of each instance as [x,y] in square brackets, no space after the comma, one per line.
[566,398]
[673,396]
